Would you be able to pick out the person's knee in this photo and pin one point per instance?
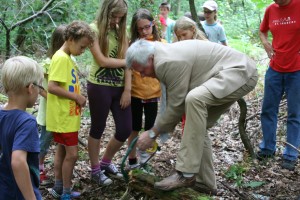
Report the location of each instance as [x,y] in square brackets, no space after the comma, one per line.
[72,156]
[119,139]
[190,98]
[122,136]
[96,135]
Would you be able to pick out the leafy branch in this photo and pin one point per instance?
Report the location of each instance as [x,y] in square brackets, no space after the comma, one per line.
[21,22]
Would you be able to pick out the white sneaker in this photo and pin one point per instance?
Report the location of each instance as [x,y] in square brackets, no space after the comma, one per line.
[112,170]
[143,156]
[134,166]
[101,179]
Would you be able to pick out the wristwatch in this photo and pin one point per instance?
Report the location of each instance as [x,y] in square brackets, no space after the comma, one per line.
[152,134]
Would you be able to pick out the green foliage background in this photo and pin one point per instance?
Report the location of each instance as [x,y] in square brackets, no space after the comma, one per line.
[240,18]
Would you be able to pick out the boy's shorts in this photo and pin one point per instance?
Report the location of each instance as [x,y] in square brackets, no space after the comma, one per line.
[67,139]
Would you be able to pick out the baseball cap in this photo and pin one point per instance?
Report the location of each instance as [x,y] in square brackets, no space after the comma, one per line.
[210,5]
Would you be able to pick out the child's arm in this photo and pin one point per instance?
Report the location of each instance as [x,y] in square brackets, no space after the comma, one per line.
[126,96]
[21,173]
[105,61]
[43,93]
[54,88]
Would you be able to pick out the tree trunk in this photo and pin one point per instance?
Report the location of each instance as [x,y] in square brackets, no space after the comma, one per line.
[194,14]
[242,127]
[21,22]
[244,14]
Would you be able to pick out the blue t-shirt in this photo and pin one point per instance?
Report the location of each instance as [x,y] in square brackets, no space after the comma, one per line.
[215,32]
[18,131]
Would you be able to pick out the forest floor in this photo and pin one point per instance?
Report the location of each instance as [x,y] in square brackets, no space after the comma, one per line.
[238,176]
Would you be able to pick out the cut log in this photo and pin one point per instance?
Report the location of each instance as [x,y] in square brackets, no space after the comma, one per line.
[145,183]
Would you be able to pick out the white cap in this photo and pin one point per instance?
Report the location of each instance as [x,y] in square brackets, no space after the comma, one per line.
[210,5]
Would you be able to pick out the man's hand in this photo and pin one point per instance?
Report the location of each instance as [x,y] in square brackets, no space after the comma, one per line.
[144,142]
[269,49]
[267,45]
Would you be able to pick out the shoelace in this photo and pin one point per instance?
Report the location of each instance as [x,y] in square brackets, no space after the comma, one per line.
[113,168]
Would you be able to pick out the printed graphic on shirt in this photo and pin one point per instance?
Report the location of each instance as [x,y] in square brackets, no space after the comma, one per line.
[74,87]
[283,21]
[110,76]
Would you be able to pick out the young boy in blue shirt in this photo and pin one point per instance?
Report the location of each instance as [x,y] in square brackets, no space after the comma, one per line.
[19,140]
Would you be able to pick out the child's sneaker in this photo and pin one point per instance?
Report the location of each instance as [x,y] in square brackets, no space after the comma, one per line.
[101,179]
[55,193]
[133,166]
[143,156]
[58,193]
[65,197]
[147,169]
[112,170]
[44,180]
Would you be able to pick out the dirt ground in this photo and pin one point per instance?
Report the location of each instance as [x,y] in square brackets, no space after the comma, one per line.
[238,176]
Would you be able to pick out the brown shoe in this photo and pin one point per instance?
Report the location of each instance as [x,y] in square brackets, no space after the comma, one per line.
[204,189]
[174,181]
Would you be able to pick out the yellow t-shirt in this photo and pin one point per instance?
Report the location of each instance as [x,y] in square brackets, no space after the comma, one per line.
[63,115]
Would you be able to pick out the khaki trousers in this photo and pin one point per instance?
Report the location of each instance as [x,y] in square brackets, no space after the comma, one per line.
[202,111]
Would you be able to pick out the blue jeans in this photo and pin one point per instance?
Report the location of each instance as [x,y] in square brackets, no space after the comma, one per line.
[46,138]
[276,84]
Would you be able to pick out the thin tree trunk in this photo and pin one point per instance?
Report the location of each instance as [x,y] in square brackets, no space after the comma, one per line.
[244,13]
[194,14]
[242,127]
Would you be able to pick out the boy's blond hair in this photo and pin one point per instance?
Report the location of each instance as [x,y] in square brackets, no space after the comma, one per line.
[18,72]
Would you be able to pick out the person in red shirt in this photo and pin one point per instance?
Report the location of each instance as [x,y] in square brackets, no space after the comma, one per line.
[282,19]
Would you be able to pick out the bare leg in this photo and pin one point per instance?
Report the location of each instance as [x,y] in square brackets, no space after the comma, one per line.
[112,148]
[68,165]
[58,161]
[94,150]
[133,135]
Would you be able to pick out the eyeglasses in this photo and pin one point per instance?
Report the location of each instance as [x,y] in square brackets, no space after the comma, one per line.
[39,86]
[147,27]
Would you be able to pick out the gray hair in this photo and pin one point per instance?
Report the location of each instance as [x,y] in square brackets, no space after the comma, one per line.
[140,51]
[18,72]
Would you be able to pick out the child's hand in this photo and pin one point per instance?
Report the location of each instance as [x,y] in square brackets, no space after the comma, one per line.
[80,100]
[125,99]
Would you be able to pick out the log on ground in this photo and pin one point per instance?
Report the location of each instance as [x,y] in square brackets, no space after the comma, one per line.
[145,183]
